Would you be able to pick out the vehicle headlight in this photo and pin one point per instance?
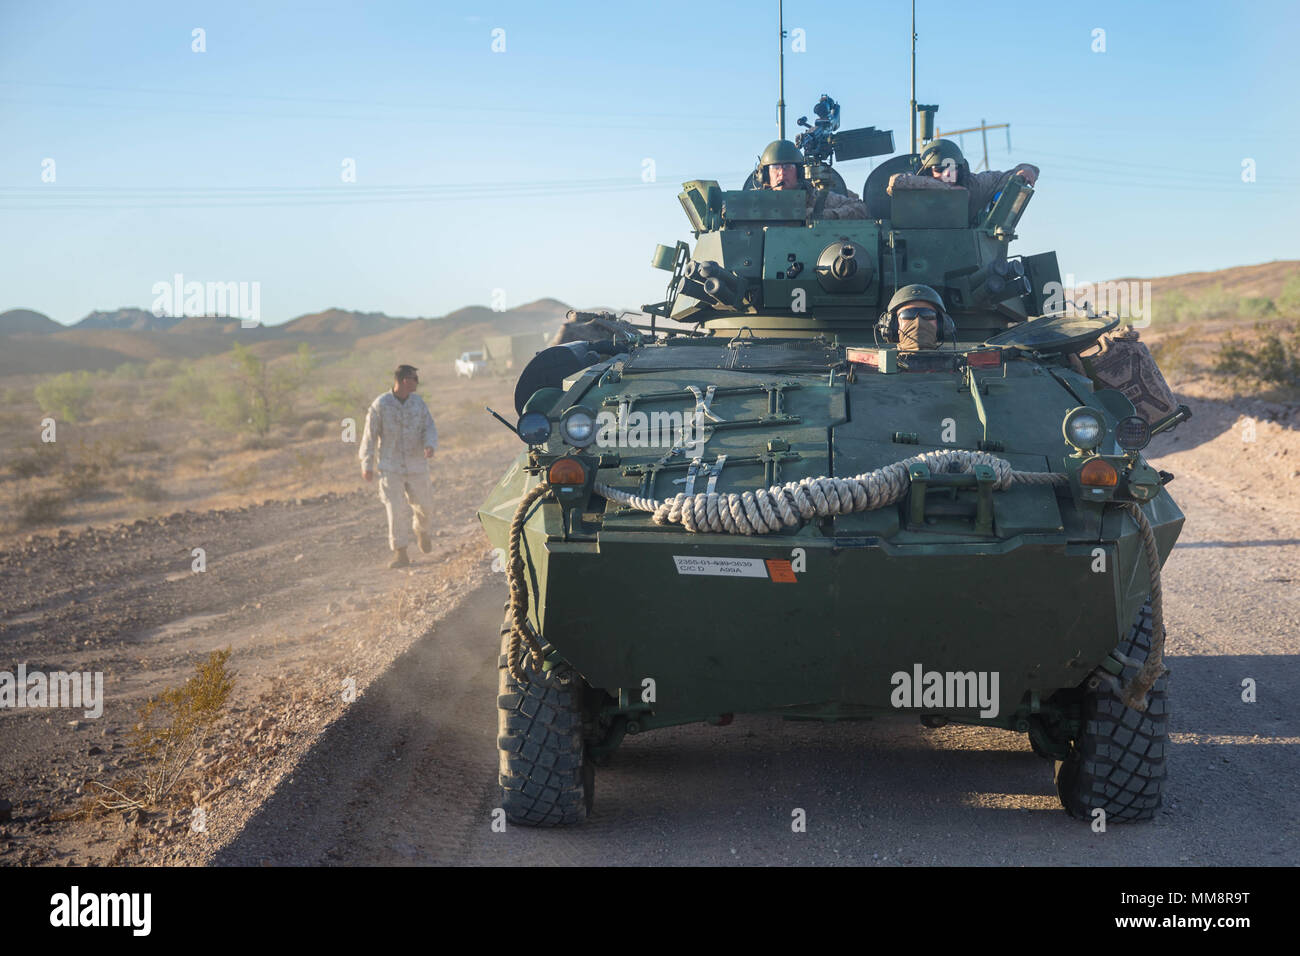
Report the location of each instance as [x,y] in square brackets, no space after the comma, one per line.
[1084,428]
[578,427]
[534,428]
[1133,433]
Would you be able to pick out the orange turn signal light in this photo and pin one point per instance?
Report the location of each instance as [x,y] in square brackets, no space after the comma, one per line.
[566,471]
[1098,473]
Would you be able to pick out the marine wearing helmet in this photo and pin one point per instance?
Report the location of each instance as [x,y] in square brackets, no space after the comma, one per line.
[782,167]
[943,166]
[915,318]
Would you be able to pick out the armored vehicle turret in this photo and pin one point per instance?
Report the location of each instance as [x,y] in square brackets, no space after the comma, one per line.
[850,468]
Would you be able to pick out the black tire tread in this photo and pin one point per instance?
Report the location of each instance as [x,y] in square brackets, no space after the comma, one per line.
[1118,761]
[540,745]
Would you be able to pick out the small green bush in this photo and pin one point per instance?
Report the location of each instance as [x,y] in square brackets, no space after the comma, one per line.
[1272,361]
[1256,307]
[1288,300]
[67,395]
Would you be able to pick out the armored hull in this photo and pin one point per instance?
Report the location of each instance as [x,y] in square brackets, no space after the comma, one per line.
[816,620]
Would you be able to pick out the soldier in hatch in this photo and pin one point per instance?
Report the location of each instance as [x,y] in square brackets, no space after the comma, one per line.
[915,318]
[781,167]
[944,167]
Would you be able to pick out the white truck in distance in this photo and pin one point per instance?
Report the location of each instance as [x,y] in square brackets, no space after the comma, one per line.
[470,364]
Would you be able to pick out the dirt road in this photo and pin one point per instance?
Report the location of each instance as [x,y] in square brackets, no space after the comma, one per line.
[405,774]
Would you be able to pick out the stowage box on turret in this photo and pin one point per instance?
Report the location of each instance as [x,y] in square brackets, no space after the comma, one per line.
[851,468]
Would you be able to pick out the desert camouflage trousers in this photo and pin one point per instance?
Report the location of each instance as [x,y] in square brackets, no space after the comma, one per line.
[408,499]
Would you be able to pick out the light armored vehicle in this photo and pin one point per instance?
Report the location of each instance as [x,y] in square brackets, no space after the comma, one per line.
[767,502]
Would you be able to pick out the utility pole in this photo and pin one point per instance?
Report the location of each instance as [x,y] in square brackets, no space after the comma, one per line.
[983,130]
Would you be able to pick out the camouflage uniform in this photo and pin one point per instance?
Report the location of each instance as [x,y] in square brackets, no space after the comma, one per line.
[402,430]
[837,205]
[981,186]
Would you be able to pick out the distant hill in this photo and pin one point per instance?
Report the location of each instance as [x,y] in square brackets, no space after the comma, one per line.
[25,320]
[464,329]
[205,325]
[135,320]
[104,340]
[1264,280]
[131,345]
[334,321]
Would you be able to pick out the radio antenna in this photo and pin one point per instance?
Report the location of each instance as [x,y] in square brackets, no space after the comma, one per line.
[913,103]
[780,71]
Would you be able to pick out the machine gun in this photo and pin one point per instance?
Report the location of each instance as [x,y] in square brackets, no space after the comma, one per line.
[816,142]
[823,143]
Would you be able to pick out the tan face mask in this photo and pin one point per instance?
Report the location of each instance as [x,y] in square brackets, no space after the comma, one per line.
[917,334]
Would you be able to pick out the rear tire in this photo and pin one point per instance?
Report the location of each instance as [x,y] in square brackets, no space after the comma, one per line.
[544,776]
[1117,763]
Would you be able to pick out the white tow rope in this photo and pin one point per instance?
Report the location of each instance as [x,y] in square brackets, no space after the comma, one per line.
[789,505]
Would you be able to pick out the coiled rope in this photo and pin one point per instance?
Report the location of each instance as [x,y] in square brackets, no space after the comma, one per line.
[521,631]
[791,504]
[1135,694]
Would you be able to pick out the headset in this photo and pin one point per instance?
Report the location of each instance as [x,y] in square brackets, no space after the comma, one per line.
[887,327]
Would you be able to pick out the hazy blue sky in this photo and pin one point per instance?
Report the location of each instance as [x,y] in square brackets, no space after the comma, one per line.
[522,170]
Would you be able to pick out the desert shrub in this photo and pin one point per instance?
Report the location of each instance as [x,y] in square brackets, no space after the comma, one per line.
[68,395]
[188,392]
[254,396]
[138,444]
[307,464]
[82,478]
[145,489]
[162,368]
[1288,300]
[1256,307]
[38,508]
[342,399]
[1271,361]
[1214,303]
[173,727]
[39,458]
[240,480]
[1170,307]
[313,428]
[130,371]
[1170,352]
[85,471]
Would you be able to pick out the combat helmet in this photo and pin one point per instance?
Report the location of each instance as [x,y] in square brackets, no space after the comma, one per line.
[915,292]
[778,152]
[944,152]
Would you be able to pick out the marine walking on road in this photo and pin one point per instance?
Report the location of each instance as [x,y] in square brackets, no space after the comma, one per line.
[399,440]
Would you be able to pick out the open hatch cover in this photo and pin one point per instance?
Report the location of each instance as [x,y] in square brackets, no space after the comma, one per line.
[1056,333]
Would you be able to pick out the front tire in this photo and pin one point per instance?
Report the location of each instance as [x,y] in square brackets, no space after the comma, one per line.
[1117,763]
[545,778]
